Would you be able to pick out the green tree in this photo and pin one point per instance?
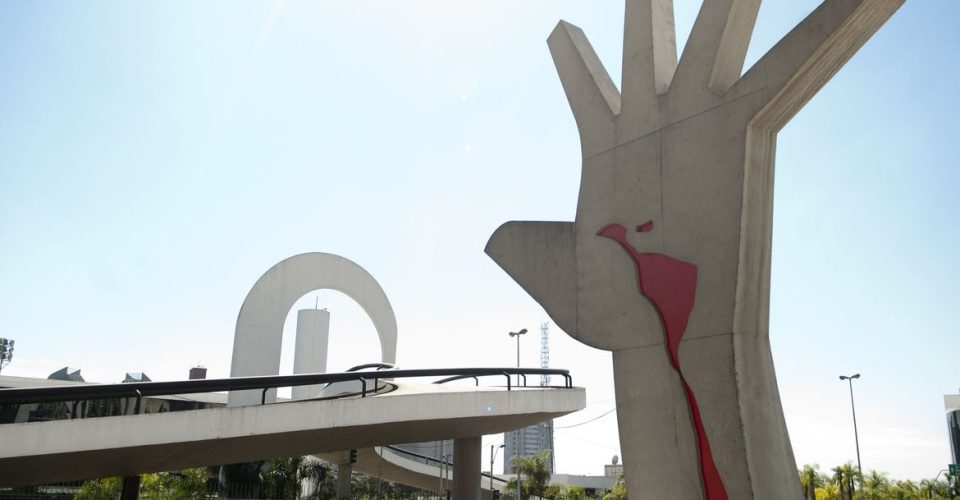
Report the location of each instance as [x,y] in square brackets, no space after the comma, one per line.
[932,488]
[286,477]
[618,492]
[846,478]
[810,480]
[555,492]
[281,478]
[876,485]
[100,489]
[576,493]
[510,490]
[185,484]
[829,491]
[533,472]
[366,487]
[560,492]
[905,490]
[323,477]
[188,483]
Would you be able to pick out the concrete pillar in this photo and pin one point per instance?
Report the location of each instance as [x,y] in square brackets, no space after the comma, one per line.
[310,353]
[344,478]
[466,468]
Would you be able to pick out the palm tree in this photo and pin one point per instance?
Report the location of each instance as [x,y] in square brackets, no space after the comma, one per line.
[877,485]
[845,477]
[828,491]
[905,490]
[932,488]
[533,469]
[810,480]
[318,476]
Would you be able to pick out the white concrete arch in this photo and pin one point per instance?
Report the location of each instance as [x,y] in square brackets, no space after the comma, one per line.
[259,332]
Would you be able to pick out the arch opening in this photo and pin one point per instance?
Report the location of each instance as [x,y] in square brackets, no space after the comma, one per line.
[258,337]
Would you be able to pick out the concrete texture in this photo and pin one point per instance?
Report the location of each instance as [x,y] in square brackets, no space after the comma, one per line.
[259,332]
[310,352]
[466,468]
[344,480]
[688,145]
[66,450]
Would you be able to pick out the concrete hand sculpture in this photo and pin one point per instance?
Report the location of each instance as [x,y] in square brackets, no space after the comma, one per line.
[683,301]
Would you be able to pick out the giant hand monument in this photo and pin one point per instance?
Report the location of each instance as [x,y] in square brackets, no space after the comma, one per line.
[667,264]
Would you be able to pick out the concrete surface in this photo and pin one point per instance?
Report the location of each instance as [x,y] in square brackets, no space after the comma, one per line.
[65,450]
[688,145]
[466,468]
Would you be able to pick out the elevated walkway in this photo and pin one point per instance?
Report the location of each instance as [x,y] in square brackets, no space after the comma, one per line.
[64,450]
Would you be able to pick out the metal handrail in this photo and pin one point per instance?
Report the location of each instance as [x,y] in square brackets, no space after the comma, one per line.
[140,390]
[437,460]
[378,366]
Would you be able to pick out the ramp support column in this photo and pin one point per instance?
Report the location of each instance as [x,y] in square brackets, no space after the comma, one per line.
[466,468]
[131,488]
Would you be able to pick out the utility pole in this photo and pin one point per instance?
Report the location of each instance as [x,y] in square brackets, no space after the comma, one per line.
[516,433]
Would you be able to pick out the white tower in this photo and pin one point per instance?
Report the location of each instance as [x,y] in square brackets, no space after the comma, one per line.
[310,355]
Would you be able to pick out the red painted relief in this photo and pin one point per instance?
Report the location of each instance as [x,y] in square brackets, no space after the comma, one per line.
[671,285]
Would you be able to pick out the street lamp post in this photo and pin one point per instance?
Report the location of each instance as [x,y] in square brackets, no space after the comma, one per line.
[856,438]
[493,455]
[516,433]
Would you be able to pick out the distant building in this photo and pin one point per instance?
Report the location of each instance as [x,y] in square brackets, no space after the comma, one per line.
[594,486]
[67,374]
[40,412]
[613,470]
[528,441]
[136,377]
[952,405]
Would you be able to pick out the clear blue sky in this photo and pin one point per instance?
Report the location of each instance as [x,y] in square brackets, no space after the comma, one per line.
[156,158]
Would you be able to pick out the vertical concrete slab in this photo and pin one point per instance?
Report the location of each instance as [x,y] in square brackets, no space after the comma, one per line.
[344,481]
[466,468]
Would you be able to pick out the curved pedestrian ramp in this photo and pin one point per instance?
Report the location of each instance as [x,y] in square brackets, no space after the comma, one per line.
[386,412]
